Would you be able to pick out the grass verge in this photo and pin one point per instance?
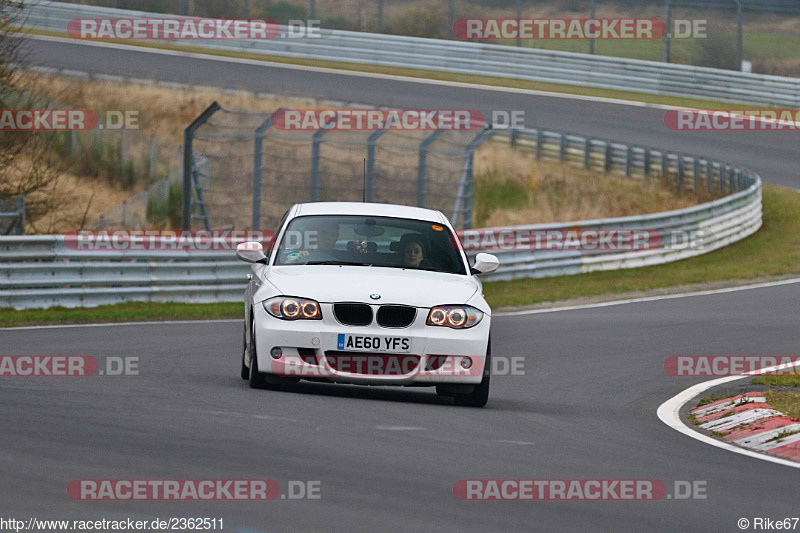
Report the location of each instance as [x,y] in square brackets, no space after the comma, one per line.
[786,402]
[131,311]
[786,380]
[773,251]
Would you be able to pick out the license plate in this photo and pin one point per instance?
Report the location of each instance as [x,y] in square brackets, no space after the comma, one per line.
[373,343]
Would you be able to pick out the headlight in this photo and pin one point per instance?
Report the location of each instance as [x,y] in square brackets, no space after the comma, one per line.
[454,316]
[288,308]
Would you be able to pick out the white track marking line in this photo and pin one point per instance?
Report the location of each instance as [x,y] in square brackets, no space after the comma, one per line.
[329,70]
[114,324]
[669,413]
[653,298]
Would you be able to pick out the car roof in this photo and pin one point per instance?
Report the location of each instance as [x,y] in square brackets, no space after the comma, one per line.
[368,209]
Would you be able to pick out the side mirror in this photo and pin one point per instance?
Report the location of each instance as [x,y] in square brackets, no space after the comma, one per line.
[485,263]
[251,252]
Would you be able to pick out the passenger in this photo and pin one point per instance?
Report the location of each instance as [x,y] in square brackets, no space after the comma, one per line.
[413,251]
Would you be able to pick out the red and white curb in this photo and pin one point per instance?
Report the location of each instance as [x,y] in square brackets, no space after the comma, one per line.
[751,427]
[748,421]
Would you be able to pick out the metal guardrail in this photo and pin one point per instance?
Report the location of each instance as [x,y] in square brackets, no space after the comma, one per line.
[484,59]
[43,271]
[712,225]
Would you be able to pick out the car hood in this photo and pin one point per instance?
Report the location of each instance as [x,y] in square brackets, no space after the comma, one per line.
[326,283]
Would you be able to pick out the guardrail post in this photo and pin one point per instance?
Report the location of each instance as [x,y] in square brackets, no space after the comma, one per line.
[680,176]
[562,147]
[188,162]
[257,161]
[695,172]
[316,140]
[538,144]
[369,186]
[512,141]
[730,179]
[664,165]
[587,152]
[627,161]
[709,175]
[608,162]
[647,164]
[423,155]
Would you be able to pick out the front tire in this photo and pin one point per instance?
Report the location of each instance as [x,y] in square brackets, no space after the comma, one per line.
[245,371]
[480,396]
[255,378]
[260,380]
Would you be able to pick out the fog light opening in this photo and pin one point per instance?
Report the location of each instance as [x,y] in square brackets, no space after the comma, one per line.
[466,363]
[276,352]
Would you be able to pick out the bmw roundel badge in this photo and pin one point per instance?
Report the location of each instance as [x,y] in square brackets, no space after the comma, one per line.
[375,296]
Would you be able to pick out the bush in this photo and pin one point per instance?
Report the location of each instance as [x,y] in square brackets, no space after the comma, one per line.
[717,50]
[428,22]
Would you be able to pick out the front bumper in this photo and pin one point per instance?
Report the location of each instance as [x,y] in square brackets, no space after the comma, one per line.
[304,343]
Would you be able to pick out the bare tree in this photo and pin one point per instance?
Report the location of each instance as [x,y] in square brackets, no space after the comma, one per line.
[28,165]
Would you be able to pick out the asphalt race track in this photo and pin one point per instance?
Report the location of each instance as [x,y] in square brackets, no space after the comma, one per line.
[584,408]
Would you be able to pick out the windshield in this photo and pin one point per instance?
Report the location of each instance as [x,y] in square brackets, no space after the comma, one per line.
[369,241]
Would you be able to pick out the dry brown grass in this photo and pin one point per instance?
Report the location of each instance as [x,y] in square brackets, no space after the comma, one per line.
[542,191]
[164,112]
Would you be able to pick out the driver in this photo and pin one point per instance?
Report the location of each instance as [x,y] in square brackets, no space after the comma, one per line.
[319,243]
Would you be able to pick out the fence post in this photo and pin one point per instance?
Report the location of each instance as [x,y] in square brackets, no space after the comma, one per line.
[255,222]
[369,186]
[316,140]
[21,209]
[423,155]
[469,177]
[188,162]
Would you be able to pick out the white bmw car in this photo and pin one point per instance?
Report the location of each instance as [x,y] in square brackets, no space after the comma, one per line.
[368,294]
